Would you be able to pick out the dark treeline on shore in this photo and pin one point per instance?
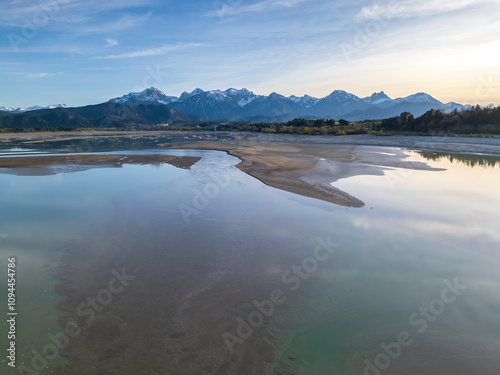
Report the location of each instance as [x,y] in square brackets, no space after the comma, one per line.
[306,127]
[112,116]
[475,120]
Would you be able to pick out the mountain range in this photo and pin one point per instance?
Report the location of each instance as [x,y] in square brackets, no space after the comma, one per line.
[151,107]
[34,108]
[233,104]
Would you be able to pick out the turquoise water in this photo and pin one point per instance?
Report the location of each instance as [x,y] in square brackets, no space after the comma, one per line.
[41,216]
[418,229]
[392,257]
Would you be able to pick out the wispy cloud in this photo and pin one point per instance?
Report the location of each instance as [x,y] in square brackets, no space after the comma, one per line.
[111,42]
[96,69]
[416,8]
[125,22]
[67,12]
[41,75]
[153,51]
[266,5]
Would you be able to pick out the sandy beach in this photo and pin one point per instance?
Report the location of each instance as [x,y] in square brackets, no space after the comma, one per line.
[40,165]
[309,169]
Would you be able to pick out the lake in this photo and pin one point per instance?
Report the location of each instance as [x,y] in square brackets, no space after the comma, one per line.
[159,270]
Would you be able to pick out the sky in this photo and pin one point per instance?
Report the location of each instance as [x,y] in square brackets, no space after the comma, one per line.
[80,52]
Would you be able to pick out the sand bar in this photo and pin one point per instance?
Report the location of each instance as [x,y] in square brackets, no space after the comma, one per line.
[40,165]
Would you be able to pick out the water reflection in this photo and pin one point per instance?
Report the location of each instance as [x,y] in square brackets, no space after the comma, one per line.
[194,280]
[467,159]
[104,142]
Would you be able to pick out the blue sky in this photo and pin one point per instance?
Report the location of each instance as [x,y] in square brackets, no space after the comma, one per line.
[81,52]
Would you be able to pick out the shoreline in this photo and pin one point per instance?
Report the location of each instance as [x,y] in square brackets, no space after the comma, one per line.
[303,165]
[41,165]
[280,169]
[309,169]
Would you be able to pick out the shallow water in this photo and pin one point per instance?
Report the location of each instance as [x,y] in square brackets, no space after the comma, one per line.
[205,242]
[418,229]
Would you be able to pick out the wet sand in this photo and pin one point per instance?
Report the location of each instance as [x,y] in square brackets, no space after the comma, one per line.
[309,169]
[304,165]
[41,165]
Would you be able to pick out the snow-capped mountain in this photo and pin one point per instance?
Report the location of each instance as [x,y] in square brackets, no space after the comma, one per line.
[209,105]
[33,108]
[421,97]
[148,96]
[240,104]
[338,102]
[377,98]
[304,101]
[272,106]
[242,97]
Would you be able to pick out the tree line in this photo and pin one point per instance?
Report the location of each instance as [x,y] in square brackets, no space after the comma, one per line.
[306,127]
[111,116]
[475,120]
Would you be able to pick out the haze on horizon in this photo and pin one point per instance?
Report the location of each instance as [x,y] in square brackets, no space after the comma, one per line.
[82,52]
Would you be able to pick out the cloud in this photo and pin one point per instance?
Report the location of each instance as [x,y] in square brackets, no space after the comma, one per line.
[415,8]
[123,23]
[40,75]
[232,10]
[153,51]
[111,42]
[103,68]
[65,12]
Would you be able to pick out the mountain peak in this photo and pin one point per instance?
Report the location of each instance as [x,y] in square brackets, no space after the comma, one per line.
[420,97]
[275,95]
[242,97]
[186,95]
[29,109]
[305,101]
[235,103]
[380,95]
[377,98]
[341,96]
[150,95]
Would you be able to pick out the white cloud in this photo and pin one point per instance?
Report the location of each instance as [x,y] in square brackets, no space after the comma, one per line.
[123,23]
[40,75]
[65,12]
[153,51]
[232,10]
[111,42]
[415,8]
